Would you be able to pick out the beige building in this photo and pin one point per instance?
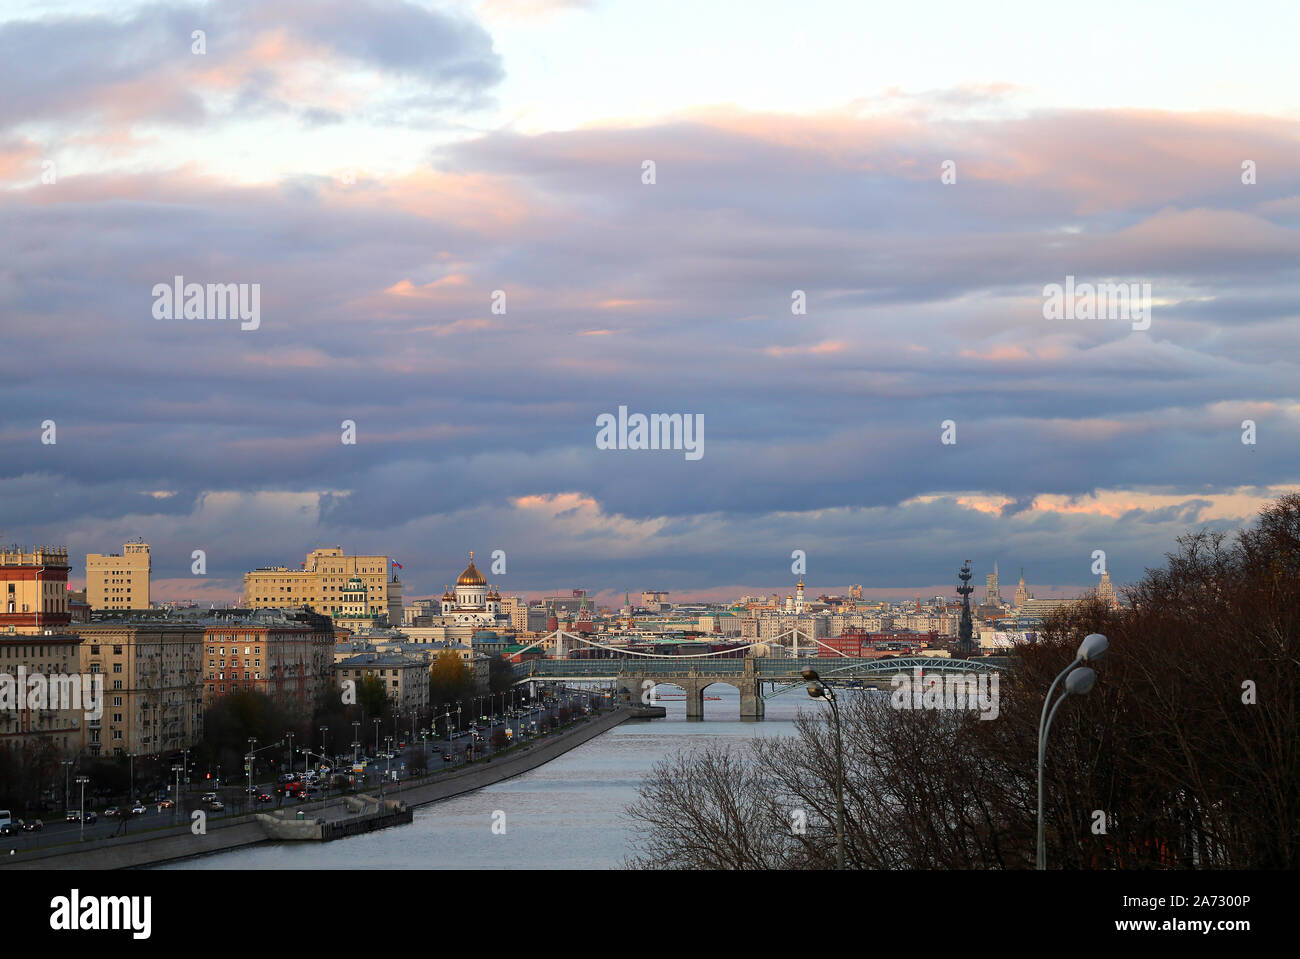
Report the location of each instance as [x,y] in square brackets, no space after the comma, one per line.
[322,582]
[153,684]
[25,720]
[517,609]
[406,679]
[119,580]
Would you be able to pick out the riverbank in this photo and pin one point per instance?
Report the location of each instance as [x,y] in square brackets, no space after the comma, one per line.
[178,843]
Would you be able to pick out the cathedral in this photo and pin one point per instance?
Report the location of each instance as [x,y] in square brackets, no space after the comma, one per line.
[473,604]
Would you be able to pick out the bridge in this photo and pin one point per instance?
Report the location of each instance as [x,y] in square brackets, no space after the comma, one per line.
[748,674]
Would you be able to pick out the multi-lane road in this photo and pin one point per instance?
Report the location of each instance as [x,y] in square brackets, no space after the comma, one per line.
[474,741]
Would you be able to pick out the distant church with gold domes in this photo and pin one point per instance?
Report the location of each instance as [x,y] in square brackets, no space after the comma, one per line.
[474,604]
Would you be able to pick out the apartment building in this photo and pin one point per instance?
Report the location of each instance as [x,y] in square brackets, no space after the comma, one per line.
[119,580]
[405,678]
[153,683]
[284,655]
[33,589]
[27,721]
[322,582]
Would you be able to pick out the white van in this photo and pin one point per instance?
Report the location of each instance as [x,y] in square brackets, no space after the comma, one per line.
[6,818]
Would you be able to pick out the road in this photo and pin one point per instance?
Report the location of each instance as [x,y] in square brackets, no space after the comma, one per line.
[523,724]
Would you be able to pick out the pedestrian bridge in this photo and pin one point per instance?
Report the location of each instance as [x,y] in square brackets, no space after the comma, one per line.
[749,674]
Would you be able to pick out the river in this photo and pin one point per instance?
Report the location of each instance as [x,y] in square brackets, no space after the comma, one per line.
[567,814]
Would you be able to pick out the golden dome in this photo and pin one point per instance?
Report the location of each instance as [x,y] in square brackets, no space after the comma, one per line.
[471,576]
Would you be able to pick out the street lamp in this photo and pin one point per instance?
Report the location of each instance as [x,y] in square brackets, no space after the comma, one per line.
[67,765]
[1080,681]
[820,690]
[378,722]
[176,805]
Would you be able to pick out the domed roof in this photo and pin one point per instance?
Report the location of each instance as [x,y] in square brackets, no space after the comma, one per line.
[471,576]
[447,594]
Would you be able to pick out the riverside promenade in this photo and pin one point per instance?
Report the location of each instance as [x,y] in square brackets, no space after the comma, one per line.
[168,845]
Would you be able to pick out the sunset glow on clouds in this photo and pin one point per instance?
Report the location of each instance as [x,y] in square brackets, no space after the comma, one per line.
[381,168]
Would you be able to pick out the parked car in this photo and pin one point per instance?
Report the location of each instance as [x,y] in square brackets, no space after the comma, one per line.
[33,825]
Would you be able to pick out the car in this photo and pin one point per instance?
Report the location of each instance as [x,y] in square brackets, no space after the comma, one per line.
[209,797]
[265,797]
[216,805]
[110,811]
[165,804]
[446,757]
[72,816]
[137,809]
[33,825]
[11,828]
[253,790]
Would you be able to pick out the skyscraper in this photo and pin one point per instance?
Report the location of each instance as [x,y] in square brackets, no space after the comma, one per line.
[991,595]
[1022,591]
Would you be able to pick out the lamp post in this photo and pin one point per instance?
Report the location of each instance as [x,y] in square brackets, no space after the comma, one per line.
[176,804]
[290,735]
[820,690]
[1079,681]
[67,768]
[378,722]
[82,814]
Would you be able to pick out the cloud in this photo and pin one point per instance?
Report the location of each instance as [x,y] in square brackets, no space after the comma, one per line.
[475,427]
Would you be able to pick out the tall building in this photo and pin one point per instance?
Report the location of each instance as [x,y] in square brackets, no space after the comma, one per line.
[1106,590]
[153,684]
[992,596]
[33,589]
[855,593]
[119,580]
[322,581]
[1022,591]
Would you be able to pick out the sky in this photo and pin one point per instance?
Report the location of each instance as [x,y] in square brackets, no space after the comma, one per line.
[918,174]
